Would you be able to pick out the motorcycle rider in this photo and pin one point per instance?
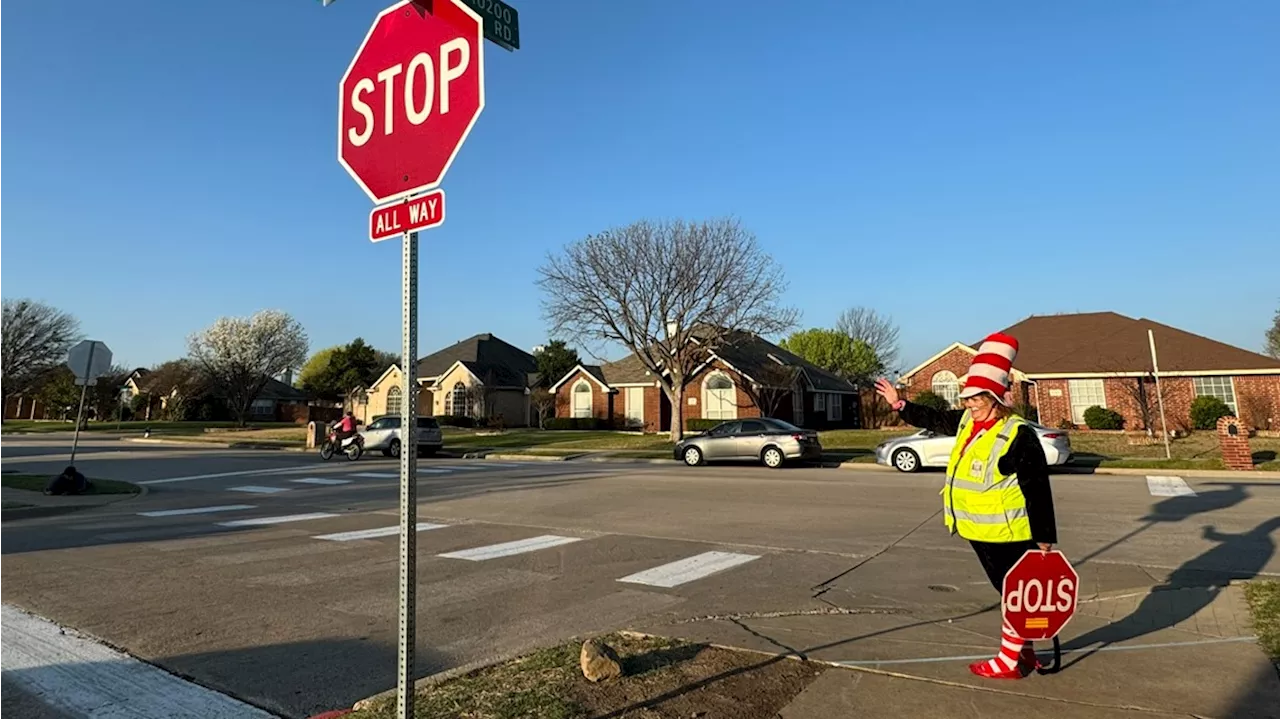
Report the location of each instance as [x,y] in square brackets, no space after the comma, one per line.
[345,428]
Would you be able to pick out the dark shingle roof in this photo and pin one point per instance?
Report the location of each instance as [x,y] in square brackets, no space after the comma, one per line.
[277,390]
[1109,342]
[495,362]
[753,356]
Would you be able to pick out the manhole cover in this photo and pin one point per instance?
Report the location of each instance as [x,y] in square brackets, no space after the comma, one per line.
[941,588]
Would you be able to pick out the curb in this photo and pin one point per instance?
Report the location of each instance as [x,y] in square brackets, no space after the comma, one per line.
[37,510]
[446,675]
[215,445]
[1119,471]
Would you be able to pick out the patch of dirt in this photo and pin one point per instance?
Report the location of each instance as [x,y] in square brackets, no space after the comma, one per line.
[689,680]
[662,679]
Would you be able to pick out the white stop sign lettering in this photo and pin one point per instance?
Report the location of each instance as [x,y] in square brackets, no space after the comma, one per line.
[455,58]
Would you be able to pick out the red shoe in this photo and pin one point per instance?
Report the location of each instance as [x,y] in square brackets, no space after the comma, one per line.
[986,671]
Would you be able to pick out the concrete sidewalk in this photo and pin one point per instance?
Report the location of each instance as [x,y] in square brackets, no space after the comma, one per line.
[1159,651]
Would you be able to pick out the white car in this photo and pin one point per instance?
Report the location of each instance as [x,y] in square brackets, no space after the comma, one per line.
[928,449]
[383,434]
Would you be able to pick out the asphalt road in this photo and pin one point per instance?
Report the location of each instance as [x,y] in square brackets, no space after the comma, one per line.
[272,575]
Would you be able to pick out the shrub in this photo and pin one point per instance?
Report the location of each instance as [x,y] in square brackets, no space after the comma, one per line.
[1027,412]
[450,420]
[1102,418]
[701,425]
[1206,411]
[931,399]
[575,423]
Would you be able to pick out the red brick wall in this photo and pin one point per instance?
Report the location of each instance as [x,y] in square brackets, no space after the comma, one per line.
[746,407]
[599,397]
[1258,400]
[957,361]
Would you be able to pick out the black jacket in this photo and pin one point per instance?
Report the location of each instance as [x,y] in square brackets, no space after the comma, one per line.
[1025,456]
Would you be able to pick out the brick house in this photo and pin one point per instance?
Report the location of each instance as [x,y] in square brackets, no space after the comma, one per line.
[479,377]
[745,376]
[1068,363]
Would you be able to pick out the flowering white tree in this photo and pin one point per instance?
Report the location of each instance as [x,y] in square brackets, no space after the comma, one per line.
[240,354]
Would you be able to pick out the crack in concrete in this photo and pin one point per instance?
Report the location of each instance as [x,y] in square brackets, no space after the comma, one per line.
[1023,695]
[822,587]
[829,610]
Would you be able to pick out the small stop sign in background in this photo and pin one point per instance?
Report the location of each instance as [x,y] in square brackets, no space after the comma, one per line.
[410,97]
[1040,594]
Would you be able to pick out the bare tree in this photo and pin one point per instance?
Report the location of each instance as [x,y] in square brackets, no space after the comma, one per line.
[878,331]
[773,383]
[241,354]
[544,403]
[668,291]
[35,339]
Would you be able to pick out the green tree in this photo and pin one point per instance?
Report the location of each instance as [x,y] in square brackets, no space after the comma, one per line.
[334,371]
[1273,337]
[58,392]
[555,361]
[836,352]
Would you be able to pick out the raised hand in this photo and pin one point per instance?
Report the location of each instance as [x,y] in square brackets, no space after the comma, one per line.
[887,390]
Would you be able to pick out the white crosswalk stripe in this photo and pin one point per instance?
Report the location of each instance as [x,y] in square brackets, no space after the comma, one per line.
[376,475]
[321,480]
[195,510]
[260,521]
[1169,487]
[254,489]
[374,533]
[687,570]
[507,549]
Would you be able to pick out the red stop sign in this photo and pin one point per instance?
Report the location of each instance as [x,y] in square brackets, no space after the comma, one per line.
[410,96]
[1040,593]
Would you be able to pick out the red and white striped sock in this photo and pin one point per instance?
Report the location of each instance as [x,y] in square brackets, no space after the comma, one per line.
[1010,651]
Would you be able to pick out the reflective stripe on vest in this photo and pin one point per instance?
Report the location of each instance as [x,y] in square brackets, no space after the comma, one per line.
[985,505]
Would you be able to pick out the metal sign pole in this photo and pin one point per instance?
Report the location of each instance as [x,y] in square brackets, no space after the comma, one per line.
[75,440]
[1164,428]
[408,474]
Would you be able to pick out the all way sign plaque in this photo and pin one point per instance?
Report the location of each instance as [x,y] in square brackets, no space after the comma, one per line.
[418,213]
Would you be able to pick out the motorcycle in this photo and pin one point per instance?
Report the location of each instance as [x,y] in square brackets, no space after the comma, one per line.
[352,446]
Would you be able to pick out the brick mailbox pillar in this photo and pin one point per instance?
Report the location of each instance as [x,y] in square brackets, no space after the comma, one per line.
[1233,439]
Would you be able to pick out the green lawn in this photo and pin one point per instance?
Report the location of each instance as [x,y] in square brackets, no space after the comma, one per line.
[1198,451]
[37,483]
[157,428]
[1264,607]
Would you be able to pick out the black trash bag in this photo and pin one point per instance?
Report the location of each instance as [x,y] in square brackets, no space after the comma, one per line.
[69,482]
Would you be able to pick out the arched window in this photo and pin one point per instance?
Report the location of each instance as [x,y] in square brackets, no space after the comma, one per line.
[946,386]
[395,401]
[458,401]
[582,399]
[719,400]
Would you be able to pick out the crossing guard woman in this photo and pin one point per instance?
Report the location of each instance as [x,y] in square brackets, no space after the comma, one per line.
[997,492]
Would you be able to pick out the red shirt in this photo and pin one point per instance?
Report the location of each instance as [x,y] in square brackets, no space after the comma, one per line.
[348,424]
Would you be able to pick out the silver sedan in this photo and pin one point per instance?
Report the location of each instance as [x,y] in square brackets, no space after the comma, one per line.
[927,449]
[771,442]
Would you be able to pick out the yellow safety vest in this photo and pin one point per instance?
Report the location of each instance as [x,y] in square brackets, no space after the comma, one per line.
[979,502]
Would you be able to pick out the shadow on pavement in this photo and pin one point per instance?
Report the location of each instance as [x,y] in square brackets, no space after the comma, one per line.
[1189,589]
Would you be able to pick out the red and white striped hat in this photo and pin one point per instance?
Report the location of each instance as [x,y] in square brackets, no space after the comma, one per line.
[989,371]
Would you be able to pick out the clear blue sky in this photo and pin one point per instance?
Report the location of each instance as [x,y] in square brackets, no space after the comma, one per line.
[955,165]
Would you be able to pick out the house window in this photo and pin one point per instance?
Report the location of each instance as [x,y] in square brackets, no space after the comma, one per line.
[1085,393]
[395,400]
[1219,387]
[458,401]
[797,405]
[819,402]
[262,407]
[719,398]
[835,408]
[946,386]
[582,399]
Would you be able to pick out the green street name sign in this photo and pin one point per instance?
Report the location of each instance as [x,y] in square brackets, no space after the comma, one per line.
[501,22]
